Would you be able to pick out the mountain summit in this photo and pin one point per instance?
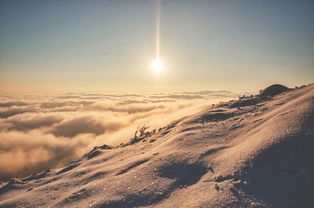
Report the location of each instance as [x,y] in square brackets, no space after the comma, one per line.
[253,152]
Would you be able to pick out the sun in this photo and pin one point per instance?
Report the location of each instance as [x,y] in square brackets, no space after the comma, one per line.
[157,65]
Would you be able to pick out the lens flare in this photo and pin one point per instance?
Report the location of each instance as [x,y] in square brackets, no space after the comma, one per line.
[158,65]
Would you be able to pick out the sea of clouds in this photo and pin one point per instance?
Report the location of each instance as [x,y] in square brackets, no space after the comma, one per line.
[39,132]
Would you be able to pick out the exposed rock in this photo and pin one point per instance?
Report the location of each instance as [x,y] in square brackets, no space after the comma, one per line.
[273,90]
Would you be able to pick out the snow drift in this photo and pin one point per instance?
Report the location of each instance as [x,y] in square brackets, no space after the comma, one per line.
[252,152]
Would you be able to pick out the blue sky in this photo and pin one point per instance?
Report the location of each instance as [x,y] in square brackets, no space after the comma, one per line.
[110,44]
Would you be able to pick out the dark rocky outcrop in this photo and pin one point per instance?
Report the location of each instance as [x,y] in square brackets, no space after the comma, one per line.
[273,90]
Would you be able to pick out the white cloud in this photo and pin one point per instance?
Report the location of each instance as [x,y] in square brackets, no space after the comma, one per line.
[46,132]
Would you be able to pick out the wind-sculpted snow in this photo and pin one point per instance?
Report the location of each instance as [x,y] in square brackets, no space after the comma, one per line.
[233,154]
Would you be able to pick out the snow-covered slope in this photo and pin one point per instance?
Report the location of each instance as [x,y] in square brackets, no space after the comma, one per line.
[254,152]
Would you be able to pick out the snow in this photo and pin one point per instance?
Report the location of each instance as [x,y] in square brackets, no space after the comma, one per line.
[255,153]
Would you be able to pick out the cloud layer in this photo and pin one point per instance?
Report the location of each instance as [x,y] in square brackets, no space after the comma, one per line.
[40,132]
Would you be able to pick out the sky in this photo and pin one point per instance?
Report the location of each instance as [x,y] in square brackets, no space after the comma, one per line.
[107,45]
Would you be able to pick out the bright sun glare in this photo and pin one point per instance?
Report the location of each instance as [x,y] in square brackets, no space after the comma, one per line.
[158,65]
